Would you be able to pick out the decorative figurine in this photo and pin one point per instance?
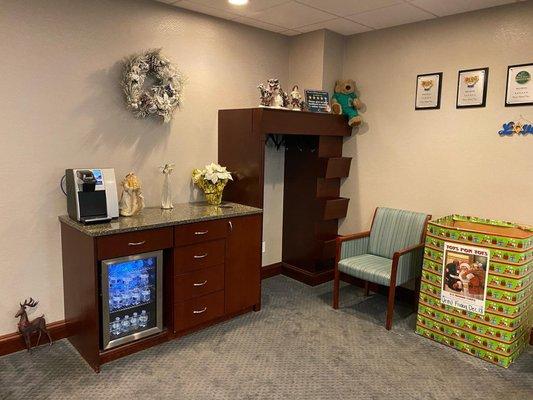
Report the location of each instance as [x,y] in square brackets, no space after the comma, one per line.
[132,200]
[212,180]
[27,327]
[296,99]
[345,102]
[166,196]
[273,95]
[265,97]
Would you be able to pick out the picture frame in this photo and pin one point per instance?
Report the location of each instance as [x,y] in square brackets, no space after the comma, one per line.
[519,85]
[472,88]
[317,101]
[428,91]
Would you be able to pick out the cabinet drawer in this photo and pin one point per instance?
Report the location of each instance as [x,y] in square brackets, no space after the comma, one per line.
[198,283]
[200,232]
[124,244]
[198,256]
[190,313]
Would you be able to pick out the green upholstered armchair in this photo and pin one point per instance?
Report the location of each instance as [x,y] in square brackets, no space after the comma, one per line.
[390,254]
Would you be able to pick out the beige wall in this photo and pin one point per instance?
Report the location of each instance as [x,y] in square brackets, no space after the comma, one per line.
[448,160]
[273,204]
[62,107]
[334,48]
[306,57]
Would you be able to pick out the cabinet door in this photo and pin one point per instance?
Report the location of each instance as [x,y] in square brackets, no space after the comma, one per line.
[243,264]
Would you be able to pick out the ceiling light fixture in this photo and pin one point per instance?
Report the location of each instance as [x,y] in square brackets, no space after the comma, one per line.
[238,2]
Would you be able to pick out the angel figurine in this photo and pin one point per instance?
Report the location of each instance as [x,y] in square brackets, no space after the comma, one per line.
[166,196]
[132,200]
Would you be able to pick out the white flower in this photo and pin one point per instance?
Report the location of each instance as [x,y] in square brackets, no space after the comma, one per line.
[215,172]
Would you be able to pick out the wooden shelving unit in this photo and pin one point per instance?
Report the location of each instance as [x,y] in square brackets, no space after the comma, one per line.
[314,167]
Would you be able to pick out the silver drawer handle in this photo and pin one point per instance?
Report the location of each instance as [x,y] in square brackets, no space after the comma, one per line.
[200,232]
[200,311]
[201,256]
[200,283]
[137,243]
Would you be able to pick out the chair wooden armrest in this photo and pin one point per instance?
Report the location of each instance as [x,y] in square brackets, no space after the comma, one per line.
[396,258]
[353,236]
[406,250]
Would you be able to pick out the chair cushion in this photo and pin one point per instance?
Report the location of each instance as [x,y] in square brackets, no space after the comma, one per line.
[368,267]
[393,230]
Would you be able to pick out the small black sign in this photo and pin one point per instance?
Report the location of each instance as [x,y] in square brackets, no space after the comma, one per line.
[317,101]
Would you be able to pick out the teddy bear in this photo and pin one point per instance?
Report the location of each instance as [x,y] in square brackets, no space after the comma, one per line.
[345,102]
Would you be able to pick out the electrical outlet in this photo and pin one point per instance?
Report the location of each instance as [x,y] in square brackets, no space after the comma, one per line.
[263,247]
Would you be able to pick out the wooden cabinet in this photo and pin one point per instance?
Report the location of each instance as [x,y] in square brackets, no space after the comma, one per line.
[211,272]
[314,169]
[243,264]
[216,277]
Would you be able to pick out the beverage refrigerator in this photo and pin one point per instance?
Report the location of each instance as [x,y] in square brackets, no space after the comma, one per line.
[132,294]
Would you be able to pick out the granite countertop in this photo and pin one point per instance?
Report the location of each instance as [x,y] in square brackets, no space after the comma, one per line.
[155,217]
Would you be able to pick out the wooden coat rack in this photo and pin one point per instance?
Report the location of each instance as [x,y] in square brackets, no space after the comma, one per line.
[314,167]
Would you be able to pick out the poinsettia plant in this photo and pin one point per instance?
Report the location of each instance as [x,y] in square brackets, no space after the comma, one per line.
[212,179]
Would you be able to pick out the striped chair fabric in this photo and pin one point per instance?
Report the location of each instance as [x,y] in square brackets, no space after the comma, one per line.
[370,258]
[368,267]
[394,230]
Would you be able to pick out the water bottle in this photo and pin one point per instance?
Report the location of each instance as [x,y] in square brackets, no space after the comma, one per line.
[136,297]
[126,299]
[143,319]
[145,295]
[115,327]
[128,283]
[116,301]
[126,324]
[144,278]
[134,322]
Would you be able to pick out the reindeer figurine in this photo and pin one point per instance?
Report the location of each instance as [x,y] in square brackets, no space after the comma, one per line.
[27,328]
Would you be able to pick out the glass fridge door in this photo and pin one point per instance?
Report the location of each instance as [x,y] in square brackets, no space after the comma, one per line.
[132,290]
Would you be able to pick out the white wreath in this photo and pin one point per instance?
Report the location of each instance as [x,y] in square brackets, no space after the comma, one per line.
[163,97]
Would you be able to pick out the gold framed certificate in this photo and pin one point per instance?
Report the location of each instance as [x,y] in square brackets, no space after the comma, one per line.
[472,88]
[519,85]
[428,90]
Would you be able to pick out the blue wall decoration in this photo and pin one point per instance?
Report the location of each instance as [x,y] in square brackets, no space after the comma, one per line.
[516,128]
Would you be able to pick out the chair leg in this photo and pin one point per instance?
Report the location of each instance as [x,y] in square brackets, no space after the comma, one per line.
[336,288]
[390,307]
[366,288]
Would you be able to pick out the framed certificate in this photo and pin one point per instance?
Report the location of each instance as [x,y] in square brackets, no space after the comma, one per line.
[519,85]
[428,89]
[472,88]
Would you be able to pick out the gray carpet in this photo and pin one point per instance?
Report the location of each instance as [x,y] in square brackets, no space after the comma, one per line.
[297,347]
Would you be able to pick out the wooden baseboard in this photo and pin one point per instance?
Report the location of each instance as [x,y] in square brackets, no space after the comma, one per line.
[13,342]
[271,270]
[307,277]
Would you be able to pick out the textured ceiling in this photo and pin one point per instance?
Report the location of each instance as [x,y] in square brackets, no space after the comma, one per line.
[347,17]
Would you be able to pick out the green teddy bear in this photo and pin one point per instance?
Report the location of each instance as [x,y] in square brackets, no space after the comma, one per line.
[345,102]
